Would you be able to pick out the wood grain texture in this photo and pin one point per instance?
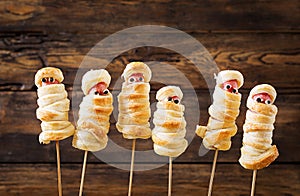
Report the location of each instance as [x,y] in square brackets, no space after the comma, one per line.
[107,17]
[269,58]
[188,179]
[258,38]
[20,128]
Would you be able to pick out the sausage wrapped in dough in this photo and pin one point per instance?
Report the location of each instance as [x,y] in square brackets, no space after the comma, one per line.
[223,112]
[134,105]
[53,105]
[169,132]
[94,113]
[257,151]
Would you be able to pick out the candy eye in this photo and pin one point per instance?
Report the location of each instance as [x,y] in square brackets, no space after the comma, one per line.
[51,79]
[176,101]
[234,90]
[228,86]
[44,80]
[268,102]
[258,99]
[141,79]
[169,98]
[131,79]
[96,93]
[105,91]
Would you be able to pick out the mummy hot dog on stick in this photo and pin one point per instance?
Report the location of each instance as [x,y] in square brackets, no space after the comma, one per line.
[53,111]
[223,112]
[53,105]
[94,113]
[134,105]
[257,151]
[169,132]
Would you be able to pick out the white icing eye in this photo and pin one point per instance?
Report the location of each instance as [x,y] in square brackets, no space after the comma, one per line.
[228,86]
[44,80]
[141,79]
[106,91]
[268,102]
[131,79]
[258,99]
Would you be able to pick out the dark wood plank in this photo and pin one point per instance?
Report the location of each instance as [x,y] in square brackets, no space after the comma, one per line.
[108,17]
[20,128]
[188,179]
[257,56]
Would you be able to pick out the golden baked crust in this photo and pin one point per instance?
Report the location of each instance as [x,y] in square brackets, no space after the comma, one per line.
[169,131]
[134,105]
[53,107]
[93,77]
[48,72]
[223,113]
[137,67]
[257,151]
[94,114]
[227,75]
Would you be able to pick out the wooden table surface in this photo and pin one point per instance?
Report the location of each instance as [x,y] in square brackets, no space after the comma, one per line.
[258,38]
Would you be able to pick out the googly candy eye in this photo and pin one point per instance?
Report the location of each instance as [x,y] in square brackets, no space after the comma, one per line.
[106,91]
[268,102]
[44,80]
[170,99]
[131,79]
[141,79]
[176,100]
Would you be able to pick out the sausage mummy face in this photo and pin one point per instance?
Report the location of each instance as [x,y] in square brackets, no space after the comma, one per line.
[99,89]
[262,98]
[136,77]
[49,81]
[230,86]
[174,99]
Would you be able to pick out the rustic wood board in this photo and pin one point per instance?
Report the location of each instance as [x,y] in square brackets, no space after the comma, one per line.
[188,179]
[257,56]
[108,17]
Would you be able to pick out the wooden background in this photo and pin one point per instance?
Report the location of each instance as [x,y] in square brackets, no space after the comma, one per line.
[258,38]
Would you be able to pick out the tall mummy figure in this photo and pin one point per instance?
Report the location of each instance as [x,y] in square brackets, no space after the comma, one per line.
[257,151]
[94,113]
[53,105]
[134,105]
[223,112]
[169,131]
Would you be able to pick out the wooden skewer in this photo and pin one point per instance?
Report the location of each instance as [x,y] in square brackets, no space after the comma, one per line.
[131,168]
[253,182]
[83,172]
[58,169]
[170,177]
[212,173]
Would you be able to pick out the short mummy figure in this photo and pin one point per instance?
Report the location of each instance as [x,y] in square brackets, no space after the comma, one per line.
[257,151]
[53,105]
[223,112]
[94,113]
[169,131]
[134,105]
